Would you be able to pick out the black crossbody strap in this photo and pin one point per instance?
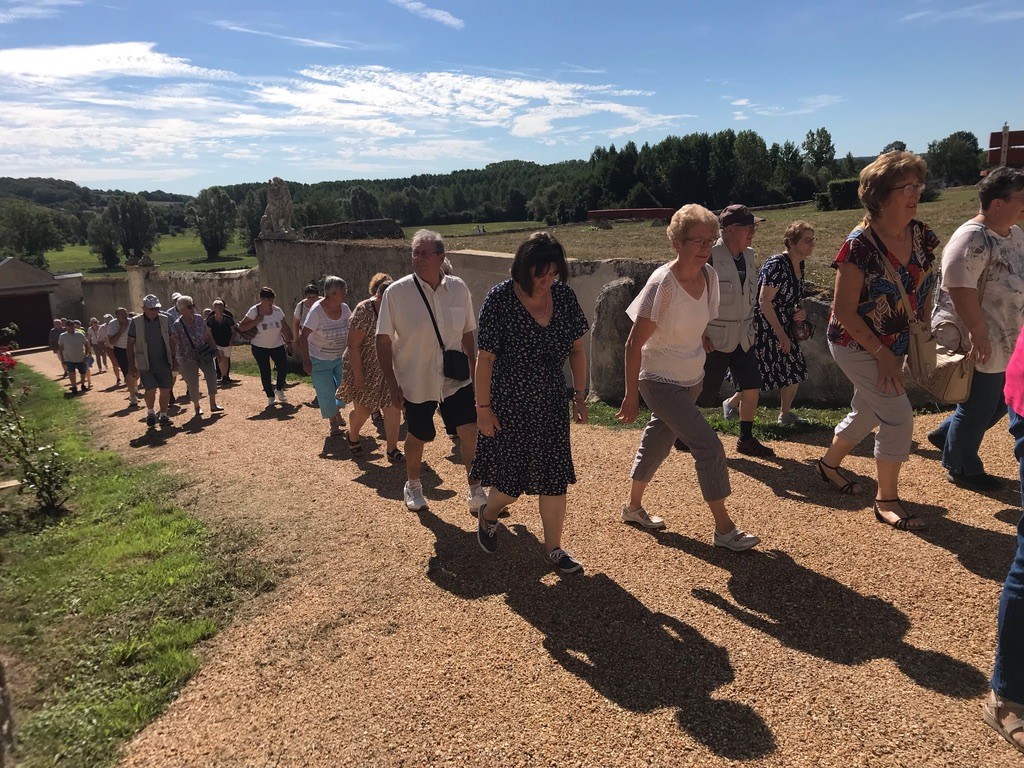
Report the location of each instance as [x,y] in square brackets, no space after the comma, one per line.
[430,312]
[189,337]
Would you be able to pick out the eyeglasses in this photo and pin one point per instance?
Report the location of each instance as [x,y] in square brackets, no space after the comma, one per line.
[700,241]
[423,253]
[808,240]
[914,188]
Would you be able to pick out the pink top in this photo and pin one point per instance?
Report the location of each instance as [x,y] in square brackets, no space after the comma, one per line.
[1014,388]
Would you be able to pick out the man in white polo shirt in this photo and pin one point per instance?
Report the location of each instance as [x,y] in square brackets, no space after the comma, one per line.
[411,358]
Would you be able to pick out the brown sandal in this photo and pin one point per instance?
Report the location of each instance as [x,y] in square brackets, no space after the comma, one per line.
[990,713]
[355,448]
[851,488]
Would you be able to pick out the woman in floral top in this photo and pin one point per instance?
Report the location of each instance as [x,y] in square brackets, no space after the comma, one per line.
[188,334]
[869,331]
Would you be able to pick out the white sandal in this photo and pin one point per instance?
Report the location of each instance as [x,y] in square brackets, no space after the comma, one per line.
[991,714]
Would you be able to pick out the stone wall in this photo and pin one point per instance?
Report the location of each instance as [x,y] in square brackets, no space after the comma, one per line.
[67,301]
[105,295]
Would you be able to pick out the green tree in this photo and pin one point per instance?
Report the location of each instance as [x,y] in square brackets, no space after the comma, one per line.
[818,148]
[362,204]
[213,215]
[250,211]
[895,146]
[104,239]
[27,231]
[787,169]
[136,225]
[753,168]
[722,169]
[956,158]
[640,197]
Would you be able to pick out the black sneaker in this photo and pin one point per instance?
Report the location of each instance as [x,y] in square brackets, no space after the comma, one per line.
[164,420]
[937,440]
[564,561]
[150,419]
[487,532]
[983,482]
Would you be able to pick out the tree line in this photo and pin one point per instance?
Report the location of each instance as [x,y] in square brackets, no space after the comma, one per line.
[714,169]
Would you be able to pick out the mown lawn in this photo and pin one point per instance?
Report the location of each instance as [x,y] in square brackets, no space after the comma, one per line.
[640,240]
[100,613]
[180,252]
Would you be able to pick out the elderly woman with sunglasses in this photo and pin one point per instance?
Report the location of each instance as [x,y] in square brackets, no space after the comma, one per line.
[869,330]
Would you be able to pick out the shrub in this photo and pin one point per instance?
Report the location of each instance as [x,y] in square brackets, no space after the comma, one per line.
[822,202]
[842,194]
[930,194]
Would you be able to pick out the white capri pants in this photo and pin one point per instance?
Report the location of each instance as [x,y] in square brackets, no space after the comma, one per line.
[892,414]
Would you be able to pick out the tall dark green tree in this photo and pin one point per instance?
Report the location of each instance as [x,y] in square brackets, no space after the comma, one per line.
[819,151]
[956,159]
[250,211]
[787,169]
[104,239]
[362,204]
[136,225]
[895,146]
[753,169]
[214,217]
[27,232]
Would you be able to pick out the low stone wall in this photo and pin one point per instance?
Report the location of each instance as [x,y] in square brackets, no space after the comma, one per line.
[368,229]
[106,294]
[67,300]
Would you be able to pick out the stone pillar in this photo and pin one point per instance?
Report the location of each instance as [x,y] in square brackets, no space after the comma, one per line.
[136,286]
[608,338]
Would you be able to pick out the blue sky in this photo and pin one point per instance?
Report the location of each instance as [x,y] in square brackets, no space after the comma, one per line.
[180,96]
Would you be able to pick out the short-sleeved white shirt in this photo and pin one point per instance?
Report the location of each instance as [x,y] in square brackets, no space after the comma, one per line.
[971,249]
[328,337]
[74,344]
[268,330]
[674,353]
[415,351]
[113,326]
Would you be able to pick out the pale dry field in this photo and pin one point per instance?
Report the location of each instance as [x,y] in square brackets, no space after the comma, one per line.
[393,640]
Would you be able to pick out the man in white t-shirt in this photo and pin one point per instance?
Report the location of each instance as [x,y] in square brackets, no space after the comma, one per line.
[984,314]
[413,365]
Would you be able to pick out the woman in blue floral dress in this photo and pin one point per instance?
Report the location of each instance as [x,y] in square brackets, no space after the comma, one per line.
[529,326]
[780,287]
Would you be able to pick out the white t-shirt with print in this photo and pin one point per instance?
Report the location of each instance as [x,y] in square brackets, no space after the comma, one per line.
[674,353]
[329,337]
[113,326]
[971,249]
[268,330]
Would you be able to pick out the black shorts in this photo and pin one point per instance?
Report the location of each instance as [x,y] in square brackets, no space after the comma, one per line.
[742,365]
[122,358]
[457,410]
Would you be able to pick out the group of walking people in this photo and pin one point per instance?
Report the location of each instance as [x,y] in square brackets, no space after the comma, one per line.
[416,346]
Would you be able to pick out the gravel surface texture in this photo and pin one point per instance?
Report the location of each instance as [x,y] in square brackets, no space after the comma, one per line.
[393,640]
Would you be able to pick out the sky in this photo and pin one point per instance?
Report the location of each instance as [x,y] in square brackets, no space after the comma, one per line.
[134,94]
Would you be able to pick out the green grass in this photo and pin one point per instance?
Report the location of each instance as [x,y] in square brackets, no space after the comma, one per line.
[99,613]
[639,240]
[181,252]
[469,230]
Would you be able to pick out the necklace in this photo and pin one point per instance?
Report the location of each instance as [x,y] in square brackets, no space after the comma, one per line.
[540,308]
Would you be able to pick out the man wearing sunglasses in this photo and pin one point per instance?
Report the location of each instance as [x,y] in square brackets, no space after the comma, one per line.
[729,338]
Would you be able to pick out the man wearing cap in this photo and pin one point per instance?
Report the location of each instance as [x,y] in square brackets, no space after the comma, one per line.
[150,357]
[411,360]
[729,338]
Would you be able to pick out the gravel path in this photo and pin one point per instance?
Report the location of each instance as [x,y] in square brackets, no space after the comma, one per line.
[392,640]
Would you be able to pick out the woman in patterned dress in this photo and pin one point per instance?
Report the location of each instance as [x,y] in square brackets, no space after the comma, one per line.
[779,291]
[869,331]
[528,326]
[362,382]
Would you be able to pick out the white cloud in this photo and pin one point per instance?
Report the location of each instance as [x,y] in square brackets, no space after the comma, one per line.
[807,106]
[51,65]
[442,17]
[999,11]
[740,103]
[303,41]
[19,10]
[739,116]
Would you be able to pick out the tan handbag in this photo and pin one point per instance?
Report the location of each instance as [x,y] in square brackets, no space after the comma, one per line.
[945,374]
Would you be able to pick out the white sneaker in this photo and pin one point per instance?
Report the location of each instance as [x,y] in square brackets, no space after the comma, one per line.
[270,402]
[414,497]
[133,400]
[640,517]
[737,540]
[279,394]
[476,498]
[730,413]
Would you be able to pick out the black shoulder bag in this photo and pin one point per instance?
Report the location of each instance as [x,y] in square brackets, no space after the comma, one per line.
[204,352]
[455,363]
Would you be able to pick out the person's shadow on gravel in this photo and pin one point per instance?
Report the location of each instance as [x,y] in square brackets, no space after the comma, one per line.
[985,553]
[815,614]
[799,481]
[284,412]
[598,631]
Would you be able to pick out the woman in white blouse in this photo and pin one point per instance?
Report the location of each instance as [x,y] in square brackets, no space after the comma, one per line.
[322,343]
[665,355]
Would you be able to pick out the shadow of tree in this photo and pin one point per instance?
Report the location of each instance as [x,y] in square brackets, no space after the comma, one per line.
[596,630]
[815,614]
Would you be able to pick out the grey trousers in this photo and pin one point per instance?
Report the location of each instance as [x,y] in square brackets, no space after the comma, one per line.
[674,414]
[189,370]
[870,407]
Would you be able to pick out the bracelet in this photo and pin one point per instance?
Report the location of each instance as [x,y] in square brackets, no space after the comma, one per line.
[483,405]
[880,345]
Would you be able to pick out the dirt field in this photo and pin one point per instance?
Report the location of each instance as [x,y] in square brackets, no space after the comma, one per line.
[393,640]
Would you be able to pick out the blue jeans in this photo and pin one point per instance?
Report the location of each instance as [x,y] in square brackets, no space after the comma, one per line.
[326,380]
[965,428]
[1008,672]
